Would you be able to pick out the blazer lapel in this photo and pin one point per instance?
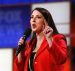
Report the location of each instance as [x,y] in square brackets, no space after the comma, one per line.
[42,47]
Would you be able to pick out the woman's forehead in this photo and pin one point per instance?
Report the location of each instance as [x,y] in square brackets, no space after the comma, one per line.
[36,12]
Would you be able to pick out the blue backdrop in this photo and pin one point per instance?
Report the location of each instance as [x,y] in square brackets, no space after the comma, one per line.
[13,22]
[6,2]
[14,19]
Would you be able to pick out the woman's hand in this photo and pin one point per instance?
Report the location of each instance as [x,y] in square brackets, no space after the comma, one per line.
[48,31]
[21,41]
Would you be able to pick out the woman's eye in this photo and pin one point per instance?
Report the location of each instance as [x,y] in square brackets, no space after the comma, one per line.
[31,17]
[38,17]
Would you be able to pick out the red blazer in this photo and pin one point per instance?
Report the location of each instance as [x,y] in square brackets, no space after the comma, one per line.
[47,59]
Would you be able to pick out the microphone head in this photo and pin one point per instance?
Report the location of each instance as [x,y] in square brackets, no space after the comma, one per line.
[27,32]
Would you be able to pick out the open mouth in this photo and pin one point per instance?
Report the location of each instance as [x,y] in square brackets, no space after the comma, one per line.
[33,26]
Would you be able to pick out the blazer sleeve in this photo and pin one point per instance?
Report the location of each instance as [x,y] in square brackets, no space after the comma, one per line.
[59,49]
[19,66]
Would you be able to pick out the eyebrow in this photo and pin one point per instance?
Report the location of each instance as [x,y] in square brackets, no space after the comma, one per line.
[37,15]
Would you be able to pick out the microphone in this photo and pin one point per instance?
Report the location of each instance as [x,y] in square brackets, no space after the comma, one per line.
[25,36]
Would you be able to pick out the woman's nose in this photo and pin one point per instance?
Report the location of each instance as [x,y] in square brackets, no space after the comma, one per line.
[34,20]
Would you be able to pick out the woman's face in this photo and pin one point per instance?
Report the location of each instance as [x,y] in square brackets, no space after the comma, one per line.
[37,21]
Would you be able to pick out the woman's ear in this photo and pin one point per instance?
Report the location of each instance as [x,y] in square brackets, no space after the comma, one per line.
[45,23]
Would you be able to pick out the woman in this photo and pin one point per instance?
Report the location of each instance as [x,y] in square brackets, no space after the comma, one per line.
[46,50]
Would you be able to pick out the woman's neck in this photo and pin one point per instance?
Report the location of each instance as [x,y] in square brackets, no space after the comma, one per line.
[40,36]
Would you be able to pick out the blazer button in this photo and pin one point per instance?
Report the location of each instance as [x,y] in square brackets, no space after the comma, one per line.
[35,62]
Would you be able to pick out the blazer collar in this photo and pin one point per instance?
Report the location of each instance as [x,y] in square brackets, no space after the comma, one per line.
[42,47]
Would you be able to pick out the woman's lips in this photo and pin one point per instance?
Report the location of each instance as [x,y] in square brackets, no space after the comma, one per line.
[33,26]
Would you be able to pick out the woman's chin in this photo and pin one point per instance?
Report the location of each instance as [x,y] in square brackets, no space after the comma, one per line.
[34,30]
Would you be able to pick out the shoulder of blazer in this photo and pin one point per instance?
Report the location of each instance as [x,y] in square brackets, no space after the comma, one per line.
[59,36]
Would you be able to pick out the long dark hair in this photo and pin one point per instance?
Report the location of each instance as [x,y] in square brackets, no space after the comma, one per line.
[48,18]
